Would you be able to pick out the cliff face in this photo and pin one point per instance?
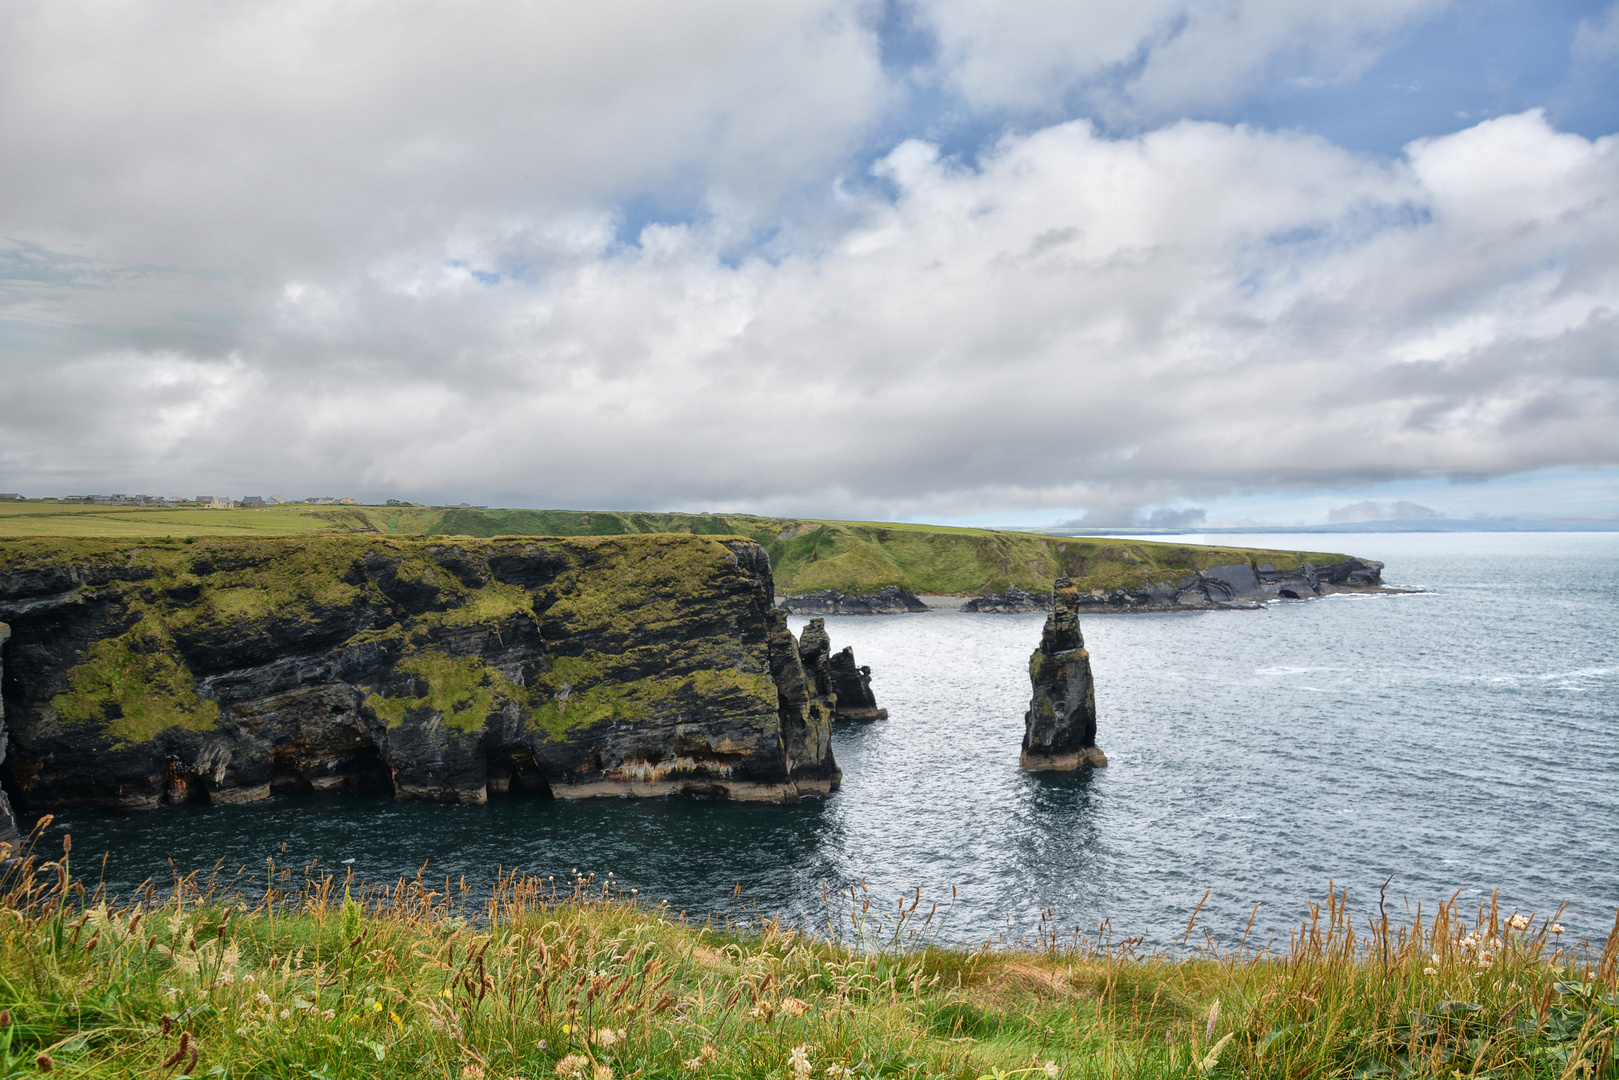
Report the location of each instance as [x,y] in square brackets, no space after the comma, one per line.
[1059,730]
[886,601]
[1239,584]
[842,684]
[161,672]
[9,830]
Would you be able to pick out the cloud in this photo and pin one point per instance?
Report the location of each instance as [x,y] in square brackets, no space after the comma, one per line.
[1596,40]
[1152,58]
[1403,510]
[258,140]
[338,250]
[1174,519]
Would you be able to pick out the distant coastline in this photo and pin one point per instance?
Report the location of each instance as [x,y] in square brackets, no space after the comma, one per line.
[1393,525]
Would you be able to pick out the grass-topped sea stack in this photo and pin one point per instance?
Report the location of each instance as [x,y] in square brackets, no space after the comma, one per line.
[164,670]
[1059,730]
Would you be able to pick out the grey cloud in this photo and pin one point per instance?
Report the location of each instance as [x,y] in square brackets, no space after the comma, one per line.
[1402,510]
[1174,519]
[376,302]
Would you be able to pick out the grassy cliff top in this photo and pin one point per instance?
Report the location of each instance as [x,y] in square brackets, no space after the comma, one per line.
[806,554]
[420,980]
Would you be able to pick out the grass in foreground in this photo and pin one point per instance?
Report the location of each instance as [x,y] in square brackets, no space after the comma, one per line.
[309,981]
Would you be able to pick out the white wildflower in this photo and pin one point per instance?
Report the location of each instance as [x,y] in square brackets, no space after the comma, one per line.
[799,1060]
[572,1067]
[1053,1070]
[1430,971]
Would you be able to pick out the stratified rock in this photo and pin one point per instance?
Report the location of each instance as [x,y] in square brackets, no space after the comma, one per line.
[891,600]
[10,829]
[851,684]
[156,672]
[1240,585]
[1060,727]
[1014,601]
[839,681]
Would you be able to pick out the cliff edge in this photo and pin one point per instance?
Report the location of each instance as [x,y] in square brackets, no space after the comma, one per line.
[1059,730]
[150,672]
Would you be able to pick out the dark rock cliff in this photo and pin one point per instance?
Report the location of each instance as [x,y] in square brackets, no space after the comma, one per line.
[9,830]
[1059,730]
[139,674]
[1240,585]
[837,677]
[886,601]
[1013,601]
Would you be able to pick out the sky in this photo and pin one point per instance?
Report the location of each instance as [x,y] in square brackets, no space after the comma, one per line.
[1173,262]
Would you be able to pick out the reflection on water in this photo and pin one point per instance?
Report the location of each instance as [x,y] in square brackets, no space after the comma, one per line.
[1467,737]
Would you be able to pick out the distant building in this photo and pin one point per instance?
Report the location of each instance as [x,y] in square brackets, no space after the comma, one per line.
[213,503]
[9,495]
[252,500]
[278,499]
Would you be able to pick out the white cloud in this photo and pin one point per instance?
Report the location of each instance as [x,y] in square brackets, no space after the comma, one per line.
[1080,321]
[376,247]
[1158,57]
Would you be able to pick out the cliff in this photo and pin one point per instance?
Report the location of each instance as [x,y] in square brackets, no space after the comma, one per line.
[160,671]
[10,833]
[887,601]
[1013,601]
[855,561]
[1059,730]
[838,679]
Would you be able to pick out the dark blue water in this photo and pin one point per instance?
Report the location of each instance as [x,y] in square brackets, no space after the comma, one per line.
[1466,737]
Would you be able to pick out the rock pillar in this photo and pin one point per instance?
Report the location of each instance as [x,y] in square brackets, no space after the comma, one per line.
[1059,730]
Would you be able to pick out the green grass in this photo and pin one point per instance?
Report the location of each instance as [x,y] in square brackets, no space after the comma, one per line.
[806,555]
[611,596]
[579,981]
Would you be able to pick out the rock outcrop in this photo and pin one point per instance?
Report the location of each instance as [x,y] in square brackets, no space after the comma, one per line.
[156,672]
[1239,585]
[1059,730]
[891,600]
[838,679]
[10,827]
[1014,601]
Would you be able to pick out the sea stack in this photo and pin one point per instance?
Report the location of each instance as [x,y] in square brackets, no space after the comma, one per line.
[1059,730]
[837,677]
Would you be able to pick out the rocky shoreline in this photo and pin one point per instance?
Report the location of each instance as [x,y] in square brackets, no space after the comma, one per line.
[1226,585]
[154,673]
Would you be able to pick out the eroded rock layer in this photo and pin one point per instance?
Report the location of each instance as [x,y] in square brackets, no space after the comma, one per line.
[8,819]
[1059,730]
[165,671]
[1014,601]
[839,681]
[887,601]
[1239,585]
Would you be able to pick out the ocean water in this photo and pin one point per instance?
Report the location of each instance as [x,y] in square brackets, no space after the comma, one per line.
[1463,738]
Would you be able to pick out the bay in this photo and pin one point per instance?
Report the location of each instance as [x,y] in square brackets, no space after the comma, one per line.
[1462,738]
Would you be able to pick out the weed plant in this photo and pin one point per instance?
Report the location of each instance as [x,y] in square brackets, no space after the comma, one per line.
[311,976]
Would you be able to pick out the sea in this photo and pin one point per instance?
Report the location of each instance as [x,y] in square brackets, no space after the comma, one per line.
[1459,739]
